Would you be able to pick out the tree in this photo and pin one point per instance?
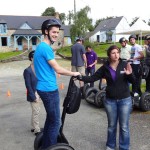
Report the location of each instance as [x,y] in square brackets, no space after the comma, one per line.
[50,11]
[81,23]
[62,17]
[70,17]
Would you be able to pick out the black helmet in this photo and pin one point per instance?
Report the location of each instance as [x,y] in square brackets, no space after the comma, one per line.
[147,37]
[123,39]
[49,23]
[132,36]
[31,54]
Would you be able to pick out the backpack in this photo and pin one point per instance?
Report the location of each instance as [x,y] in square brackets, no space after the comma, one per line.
[73,98]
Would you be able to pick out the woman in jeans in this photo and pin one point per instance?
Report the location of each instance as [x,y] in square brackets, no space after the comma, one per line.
[118,103]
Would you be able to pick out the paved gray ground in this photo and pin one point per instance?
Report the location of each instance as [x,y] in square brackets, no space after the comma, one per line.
[85,130]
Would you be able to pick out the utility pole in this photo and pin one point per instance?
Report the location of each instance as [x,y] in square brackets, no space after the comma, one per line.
[74,7]
[75,11]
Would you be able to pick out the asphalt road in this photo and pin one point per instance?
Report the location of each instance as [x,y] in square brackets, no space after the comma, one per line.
[85,130]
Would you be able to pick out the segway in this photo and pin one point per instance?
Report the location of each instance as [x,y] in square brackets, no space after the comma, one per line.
[100,96]
[71,105]
[145,101]
[85,87]
[142,102]
[90,95]
[95,96]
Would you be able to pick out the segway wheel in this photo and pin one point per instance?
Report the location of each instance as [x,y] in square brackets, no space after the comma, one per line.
[38,141]
[85,87]
[90,95]
[145,102]
[99,98]
[60,146]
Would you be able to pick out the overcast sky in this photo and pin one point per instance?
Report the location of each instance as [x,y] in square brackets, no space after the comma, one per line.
[99,8]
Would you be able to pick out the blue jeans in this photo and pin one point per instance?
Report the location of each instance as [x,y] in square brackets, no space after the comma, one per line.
[52,124]
[90,71]
[118,110]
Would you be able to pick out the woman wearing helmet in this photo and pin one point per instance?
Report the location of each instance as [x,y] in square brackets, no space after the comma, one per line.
[125,49]
[45,68]
[118,103]
[32,96]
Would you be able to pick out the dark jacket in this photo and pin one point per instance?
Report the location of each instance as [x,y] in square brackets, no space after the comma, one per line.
[117,89]
[30,83]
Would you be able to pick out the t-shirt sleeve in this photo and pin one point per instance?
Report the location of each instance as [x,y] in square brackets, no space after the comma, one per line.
[83,50]
[49,54]
[95,56]
[139,48]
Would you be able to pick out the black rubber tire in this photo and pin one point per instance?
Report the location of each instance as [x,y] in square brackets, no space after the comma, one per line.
[90,94]
[85,87]
[145,102]
[101,85]
[99,98]
[38,141]
[60,146]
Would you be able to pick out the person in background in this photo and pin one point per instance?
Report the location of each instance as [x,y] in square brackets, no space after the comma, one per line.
[136,56]
[147,59]
[118,103]
[125,49]
[46,68]
[91,57]
[32,96]
[78,60]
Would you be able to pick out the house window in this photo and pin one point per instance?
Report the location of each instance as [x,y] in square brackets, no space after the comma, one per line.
[3,28]
[19,41]
[34,41]
[4,41]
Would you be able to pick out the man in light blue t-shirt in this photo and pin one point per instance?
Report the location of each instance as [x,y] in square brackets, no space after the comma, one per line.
[45,67]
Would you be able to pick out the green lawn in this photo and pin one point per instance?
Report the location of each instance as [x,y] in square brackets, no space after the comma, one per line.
[6,55]
[100,49]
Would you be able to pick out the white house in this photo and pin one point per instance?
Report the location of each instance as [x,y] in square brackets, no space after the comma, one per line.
[107,29]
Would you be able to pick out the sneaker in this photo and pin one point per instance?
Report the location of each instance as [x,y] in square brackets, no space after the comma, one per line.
[32,130]
[136,94]
[37,133]
[108,148]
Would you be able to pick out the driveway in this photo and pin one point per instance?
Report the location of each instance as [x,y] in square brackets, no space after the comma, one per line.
[85,130]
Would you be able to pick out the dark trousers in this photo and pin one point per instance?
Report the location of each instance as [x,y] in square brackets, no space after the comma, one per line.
[148,82]
[136,86]
[90,71]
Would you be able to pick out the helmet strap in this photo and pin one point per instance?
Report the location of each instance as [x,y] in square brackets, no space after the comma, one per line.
[52,42]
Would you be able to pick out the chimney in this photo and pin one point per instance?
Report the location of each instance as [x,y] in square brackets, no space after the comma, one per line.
[57,15]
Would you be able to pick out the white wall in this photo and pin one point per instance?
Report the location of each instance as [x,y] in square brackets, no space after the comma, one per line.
[93,38]
[122,26]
